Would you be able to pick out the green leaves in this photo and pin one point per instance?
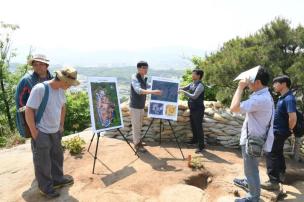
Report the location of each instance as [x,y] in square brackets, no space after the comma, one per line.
[6,83]
[77,114]
[276,46]
[75,145]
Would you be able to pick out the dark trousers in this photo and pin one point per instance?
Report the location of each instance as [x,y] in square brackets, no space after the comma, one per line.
[275,160]
[48,160]
[196,120]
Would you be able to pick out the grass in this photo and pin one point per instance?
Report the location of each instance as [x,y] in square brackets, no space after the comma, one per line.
[2,141]
[11,141]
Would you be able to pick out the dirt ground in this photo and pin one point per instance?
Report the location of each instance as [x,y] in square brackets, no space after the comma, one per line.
[159,175]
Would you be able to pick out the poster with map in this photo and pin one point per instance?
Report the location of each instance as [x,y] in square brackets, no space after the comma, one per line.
[164,106]
[104,104]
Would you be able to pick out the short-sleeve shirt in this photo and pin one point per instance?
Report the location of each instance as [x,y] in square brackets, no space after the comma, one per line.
[50,121]
[259,109]
[286,104]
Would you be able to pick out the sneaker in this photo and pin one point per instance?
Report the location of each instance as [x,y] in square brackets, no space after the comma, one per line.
[241,183]
[199,151]
[65,182]
[51,194]
[270,186]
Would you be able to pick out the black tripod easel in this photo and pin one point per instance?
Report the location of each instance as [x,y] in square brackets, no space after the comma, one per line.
[161,126]
[98,136]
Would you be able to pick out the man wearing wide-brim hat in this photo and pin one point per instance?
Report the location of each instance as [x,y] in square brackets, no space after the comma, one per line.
[40,73]
[47,134]
[67,75]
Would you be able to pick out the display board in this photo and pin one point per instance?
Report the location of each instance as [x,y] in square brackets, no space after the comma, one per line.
[104,104]
[166,105]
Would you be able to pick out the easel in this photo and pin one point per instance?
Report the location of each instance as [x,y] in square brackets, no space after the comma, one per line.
[160,132]
[98,136]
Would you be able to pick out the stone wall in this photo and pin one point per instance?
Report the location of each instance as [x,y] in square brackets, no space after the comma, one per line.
[221,127]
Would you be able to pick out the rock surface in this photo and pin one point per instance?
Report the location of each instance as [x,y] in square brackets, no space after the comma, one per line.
[157,176]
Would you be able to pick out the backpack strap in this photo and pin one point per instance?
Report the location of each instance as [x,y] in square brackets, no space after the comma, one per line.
[43,103]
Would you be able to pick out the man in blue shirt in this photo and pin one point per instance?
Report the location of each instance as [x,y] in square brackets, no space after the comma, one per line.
[284,121]
[40,74]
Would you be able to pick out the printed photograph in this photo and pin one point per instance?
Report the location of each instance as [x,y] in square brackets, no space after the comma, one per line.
[156,108]
[171,110]
[169,90]
[105,106]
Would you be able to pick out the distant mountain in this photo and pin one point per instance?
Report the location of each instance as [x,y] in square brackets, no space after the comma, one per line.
[158,58]
[123,75]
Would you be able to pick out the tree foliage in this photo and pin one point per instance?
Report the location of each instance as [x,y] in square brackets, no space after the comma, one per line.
[6,54]
[78,116]
[8,79]
[78,112]
[277,46]
[210,90]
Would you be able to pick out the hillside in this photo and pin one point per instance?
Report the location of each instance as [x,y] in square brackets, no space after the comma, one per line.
[123,75]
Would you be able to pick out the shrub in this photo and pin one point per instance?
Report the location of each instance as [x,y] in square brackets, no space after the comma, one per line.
[2,141]
[75,145]
[14,140]
[195,162]
[78,112]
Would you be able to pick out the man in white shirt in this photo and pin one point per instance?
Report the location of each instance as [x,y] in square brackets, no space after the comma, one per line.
[259,109]
[47,132]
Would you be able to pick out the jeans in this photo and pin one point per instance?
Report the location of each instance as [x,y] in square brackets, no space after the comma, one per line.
[251,170]
[275,159]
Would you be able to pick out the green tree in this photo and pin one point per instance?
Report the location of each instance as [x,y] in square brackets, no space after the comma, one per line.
[78,112]
[6,53]
[276,46]
[210,89]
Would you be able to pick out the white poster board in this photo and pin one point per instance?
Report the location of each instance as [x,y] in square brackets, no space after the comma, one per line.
[166,105]
[249,74]
[104,104]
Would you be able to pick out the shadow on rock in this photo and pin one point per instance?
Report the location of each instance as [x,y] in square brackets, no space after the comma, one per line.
[33,195]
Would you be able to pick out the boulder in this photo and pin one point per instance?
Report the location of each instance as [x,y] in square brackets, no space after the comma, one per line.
[181,193]
[186,113]
[219,118]
[209,111]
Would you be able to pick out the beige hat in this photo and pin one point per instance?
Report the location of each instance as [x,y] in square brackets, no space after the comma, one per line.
[39,58]
[68,75]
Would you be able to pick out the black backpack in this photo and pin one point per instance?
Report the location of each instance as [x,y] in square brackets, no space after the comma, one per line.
[299,128]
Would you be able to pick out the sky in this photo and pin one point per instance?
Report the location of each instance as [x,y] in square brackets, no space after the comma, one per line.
[61,28]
